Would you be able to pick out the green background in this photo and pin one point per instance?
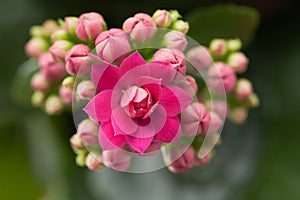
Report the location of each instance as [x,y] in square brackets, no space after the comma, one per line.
[257,160]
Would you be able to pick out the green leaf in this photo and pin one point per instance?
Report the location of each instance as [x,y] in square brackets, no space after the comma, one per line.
[21,90]
[224,21]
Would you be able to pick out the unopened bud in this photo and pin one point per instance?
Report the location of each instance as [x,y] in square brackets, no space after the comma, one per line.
[40,83]
[50,26]
[86,89]
[88,132]
[37,31]
[181,26]
[36,46]
[175,15]
[238,61]
[66,95]
[38,98]
[253,100]
[71,24]
[81,159]
[76,143]
[162,18]
[175,40]
[238,115]
[234,44]
[53,105]
[218,47]
[60,48]
[60,34]
[68,82]
[243,89]
[94,162]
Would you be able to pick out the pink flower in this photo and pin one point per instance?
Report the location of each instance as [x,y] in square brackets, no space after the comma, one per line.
[195,119]
[112,44]
[89,26]
[221,78]
[181,163]
[137,103]
[77,60]
[51,68]
[174,57]
[175,40]
[140,27]
[199,57]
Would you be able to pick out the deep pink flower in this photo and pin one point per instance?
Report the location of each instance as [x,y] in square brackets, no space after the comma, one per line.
[136,103]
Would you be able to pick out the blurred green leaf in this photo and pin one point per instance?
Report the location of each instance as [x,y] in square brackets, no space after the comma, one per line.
[21,89]
[225,21]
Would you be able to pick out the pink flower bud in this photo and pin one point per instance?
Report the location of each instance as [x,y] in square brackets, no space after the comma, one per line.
[181,26]
[77,60]
[38,98]
[195,119]
[243,89]
[40,83]
[94,162]
[221,78]
[89,26]
[238,115]
[116,159]
[50,26]
[238,61]
[112,45]
[50,68]
[60,48]
[140,27]
[76,143]
[204,160]
[199,57]
[184,162]
[60,34]
[53,105]
[88,132]
[162,18]
[175,40]
[220,107]
[173,56]
[66,94]
[86,90]
[192,83]
[218,47]
[215,123]
[36,46]
[71,24]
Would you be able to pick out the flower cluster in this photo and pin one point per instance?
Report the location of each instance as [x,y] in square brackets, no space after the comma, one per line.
[145,87]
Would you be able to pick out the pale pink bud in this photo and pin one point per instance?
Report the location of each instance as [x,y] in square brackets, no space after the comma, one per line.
[220,107]
[175,40]
[66,94]
[40,83]
[89,26]
[181,26]
[60,48]
[243,89]
[199,57]
[71,24]
[140,27]
[68,82]
[162,18]
[221,78]
[60,34]
[88,132]
[36,46]
[215,123]
[37,31]
[238,115]
[76,143]
[116,159]
[172,56]
[86,90]
[50,26]
[218,47]
[50,68]
[184,162]
[38,98]
[192,82]
[94,162]
[77,60]
[112,45]
[238,61]
[53,105]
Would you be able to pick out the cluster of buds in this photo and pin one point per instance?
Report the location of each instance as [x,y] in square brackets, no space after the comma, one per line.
[166,89]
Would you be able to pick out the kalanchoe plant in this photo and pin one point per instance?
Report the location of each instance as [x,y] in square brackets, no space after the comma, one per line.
[141,89]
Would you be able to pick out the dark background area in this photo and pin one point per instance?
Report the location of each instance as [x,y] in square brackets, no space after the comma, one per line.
[257,160]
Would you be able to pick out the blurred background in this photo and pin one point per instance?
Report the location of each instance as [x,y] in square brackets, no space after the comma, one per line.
[257,160]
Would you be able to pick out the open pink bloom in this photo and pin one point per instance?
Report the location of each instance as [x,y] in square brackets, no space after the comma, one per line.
[221,78]
[112,44]
[137,103]
[174,57]
[140,27]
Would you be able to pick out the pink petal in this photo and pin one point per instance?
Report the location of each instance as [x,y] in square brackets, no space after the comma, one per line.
[162,71]
[123,121]
[152,84]
[131,62]
[107,138]
[139,144]
[99,108]
[105,76]
[170,131]
[145,130]
[174,100]
[140,95]
[128,96]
